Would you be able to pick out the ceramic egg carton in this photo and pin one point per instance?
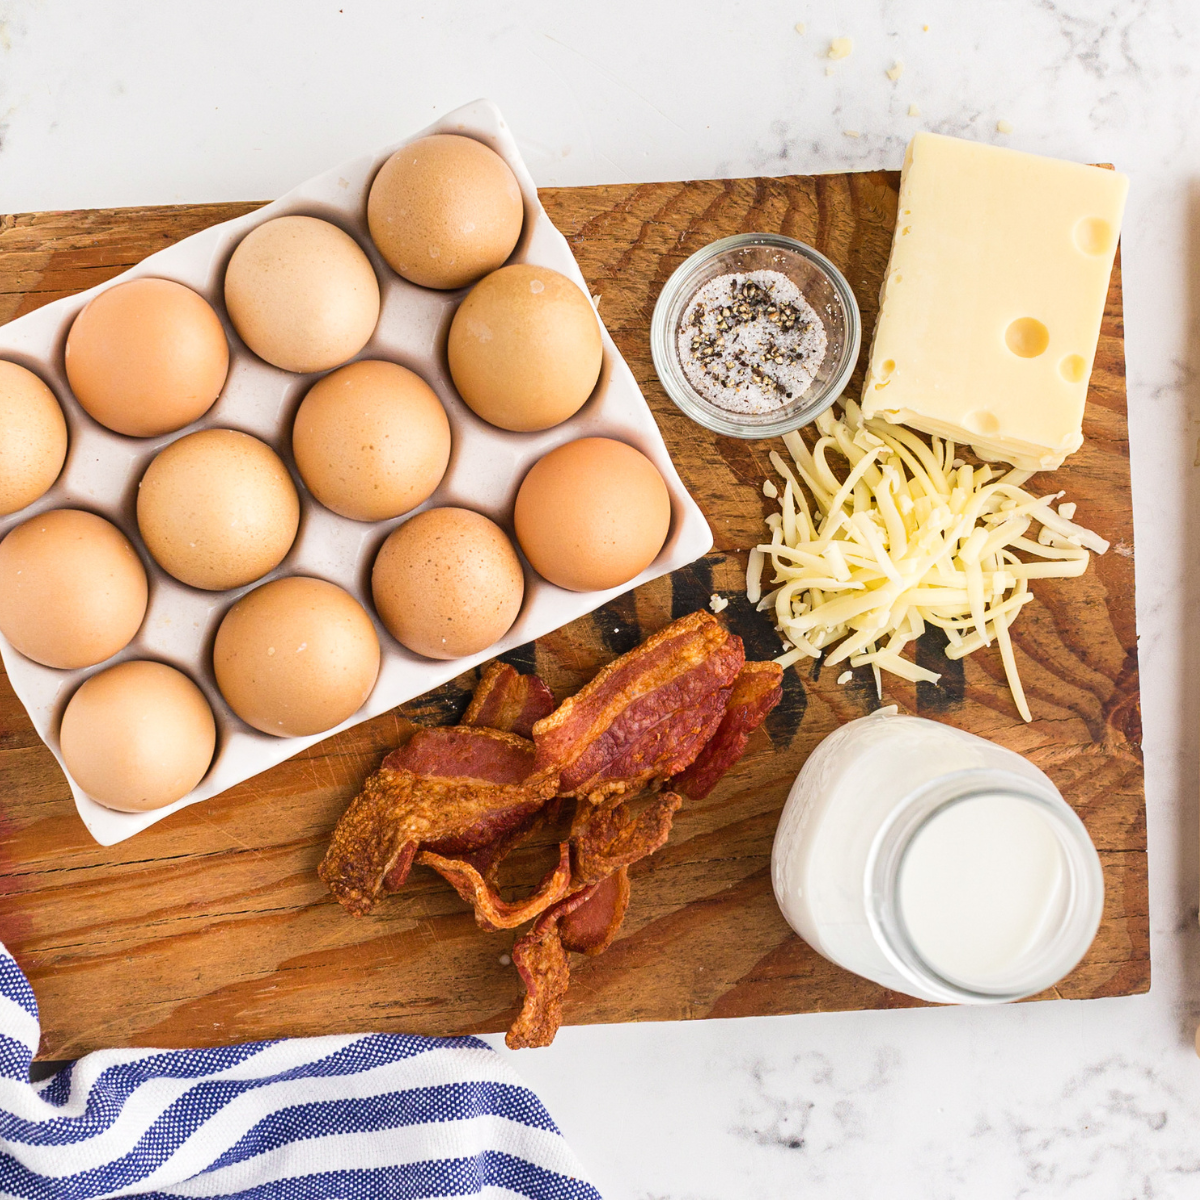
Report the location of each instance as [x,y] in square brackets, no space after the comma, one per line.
[486,467]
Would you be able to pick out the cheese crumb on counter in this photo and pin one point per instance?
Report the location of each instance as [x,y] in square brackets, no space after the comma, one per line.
[800,27]
[841,47]
[1066,510]
[913,111]
[845,677]
[1003,126]
[770,490]
[865,559]
[852,133]
[717,603]
[895,72]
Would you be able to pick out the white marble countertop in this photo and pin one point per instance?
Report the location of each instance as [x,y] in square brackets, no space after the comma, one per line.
[145,103]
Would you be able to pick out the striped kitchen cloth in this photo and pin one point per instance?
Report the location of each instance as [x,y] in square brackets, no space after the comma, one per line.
[361,1117]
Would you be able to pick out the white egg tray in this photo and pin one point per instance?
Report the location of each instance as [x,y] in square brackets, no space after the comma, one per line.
[486,467]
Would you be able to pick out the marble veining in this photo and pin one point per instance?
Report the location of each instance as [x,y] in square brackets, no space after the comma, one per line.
[810,1106]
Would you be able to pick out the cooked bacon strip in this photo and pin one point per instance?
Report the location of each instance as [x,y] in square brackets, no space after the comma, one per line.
[668,745]
[481,755]
[464,752]
[645,716]
[757,689]
[505,699]
[545,971]
[492,912]
[586,922]
[590,928]
[604,844]
[451,790]
[605,840]
[488,858]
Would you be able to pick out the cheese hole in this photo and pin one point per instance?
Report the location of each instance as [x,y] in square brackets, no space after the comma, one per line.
[1027,337]
[981,421]
[1094,235]
[886,368]
[1073,368]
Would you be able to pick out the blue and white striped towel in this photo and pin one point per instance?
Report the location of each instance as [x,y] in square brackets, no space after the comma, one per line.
[366,1117]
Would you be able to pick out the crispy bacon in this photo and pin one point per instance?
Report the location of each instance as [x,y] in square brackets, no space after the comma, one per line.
[463,752]
[510,702]
[488,858]
[757,689]
[645,716]
[542,963]
[604,843]
[450,790]
[396,873]
[492,912]
[507,700]
[605,840]
[586,921]
[590,928]
[679,709]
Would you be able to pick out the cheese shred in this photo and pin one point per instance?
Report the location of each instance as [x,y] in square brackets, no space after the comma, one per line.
[905,536]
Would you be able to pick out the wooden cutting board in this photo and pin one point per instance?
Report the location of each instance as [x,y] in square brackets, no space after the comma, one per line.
[212,927]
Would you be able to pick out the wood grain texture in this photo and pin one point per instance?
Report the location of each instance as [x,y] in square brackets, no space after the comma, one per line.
[211,927]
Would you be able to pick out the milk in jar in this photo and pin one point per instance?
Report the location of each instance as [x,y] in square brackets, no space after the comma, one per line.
[935,863]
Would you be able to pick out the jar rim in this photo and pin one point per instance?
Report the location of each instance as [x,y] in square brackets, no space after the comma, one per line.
[1084,883]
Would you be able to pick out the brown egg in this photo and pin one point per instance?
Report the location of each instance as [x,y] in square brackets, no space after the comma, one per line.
[445,210]
[138,736]
[72,589]
[147,357]
[371,440]
[296,656]
[33,438]
[525,348]
[217,509]
[592,514]
[447,583]
[302,294]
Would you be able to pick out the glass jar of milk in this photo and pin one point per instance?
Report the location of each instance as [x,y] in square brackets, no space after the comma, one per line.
[935,863]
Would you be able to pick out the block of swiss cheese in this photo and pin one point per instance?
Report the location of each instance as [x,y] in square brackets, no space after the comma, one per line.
[991,307]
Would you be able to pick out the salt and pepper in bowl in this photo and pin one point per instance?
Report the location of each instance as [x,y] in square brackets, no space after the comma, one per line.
[755,335]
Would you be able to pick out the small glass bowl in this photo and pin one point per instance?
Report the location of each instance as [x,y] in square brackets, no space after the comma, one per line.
[823,286]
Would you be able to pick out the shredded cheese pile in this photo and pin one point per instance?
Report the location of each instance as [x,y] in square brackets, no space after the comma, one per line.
[909,536]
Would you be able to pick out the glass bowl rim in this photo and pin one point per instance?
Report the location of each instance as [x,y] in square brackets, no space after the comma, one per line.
[677,292]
